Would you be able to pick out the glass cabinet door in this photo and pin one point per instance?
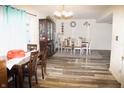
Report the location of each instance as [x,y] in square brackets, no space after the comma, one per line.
[46,29]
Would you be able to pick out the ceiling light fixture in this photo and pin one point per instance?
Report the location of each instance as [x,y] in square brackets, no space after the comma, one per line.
[63,14]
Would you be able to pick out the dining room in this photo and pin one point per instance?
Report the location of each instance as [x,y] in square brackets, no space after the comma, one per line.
[60,46]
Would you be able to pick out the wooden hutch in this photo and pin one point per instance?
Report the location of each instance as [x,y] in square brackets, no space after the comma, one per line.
[47,35]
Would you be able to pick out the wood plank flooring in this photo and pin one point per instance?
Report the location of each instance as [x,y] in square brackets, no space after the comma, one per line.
[66,71]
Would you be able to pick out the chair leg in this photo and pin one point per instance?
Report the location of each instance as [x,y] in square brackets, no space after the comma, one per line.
[23,78]
[89,51]
[36,78]
[41,68]
[15,80]
[42,73]
[29,80]
[45,68]
[80,51]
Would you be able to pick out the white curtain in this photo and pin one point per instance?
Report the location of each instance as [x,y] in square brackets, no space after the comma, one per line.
[12,29]
[3,34]
[16,27]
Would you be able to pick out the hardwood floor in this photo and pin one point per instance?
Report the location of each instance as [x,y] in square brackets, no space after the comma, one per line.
[74,71]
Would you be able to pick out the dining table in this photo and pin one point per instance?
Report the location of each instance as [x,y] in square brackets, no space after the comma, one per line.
[16,65]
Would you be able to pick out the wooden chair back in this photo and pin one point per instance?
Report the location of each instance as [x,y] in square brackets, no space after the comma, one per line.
[31,47]
[33,62]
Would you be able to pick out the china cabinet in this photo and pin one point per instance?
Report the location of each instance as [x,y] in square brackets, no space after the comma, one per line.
[47,33]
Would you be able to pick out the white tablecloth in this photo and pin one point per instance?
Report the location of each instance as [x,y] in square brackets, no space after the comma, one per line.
[10,63]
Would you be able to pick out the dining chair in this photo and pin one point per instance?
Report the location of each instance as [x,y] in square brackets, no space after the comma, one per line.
[69,45]
[30,69]
[85,47]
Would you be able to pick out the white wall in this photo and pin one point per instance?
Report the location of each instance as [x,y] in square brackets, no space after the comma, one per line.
[32,29]
[100,33]
[101,36]
[69,31]
[116,63]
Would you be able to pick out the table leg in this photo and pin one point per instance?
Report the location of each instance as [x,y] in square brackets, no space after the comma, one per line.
[20,76]
[74,51]
[80,51]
